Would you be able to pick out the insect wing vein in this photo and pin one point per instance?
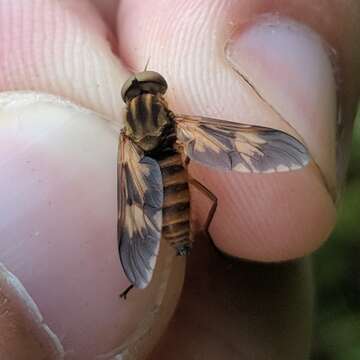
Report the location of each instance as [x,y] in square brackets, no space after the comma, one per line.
[233,146]
[140,205]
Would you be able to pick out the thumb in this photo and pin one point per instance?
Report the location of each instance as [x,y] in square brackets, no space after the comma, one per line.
[58,181]
[206,52]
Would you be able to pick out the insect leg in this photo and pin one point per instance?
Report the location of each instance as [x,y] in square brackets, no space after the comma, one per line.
[184,158]
[125,292]
[186,162]
[210,196]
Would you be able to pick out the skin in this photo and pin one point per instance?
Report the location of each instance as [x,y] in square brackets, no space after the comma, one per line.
[228,308]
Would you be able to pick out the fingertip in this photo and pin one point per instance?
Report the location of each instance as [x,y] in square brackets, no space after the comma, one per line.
[61,48]
[271,217]
[202,52]
[58,229]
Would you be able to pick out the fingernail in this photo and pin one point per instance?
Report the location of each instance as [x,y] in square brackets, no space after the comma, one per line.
[289,66]
[23,332]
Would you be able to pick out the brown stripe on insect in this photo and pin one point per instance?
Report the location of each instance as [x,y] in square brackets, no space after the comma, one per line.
[176,214]
[174,231]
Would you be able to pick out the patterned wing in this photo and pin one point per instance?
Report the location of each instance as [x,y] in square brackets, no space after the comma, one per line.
[245,148]
[140,199]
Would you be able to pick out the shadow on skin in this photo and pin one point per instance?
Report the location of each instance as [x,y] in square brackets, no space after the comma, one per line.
[234,309]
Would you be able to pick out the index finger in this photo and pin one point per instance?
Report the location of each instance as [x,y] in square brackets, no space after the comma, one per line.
[201,50]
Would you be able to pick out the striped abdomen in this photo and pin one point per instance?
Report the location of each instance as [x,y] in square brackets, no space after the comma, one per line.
[176,207]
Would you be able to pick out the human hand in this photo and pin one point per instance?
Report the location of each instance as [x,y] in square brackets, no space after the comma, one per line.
[59,176]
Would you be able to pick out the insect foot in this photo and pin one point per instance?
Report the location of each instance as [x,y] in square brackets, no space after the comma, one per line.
[183,250]
[123,295]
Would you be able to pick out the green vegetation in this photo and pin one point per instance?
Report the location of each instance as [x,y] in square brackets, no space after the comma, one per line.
[337,276]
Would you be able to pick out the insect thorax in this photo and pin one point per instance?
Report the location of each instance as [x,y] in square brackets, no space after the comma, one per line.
[148,122]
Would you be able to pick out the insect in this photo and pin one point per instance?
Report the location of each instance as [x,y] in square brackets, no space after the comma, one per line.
[155,147]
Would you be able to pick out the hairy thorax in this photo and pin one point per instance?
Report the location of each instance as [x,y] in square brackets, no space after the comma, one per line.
[147,119]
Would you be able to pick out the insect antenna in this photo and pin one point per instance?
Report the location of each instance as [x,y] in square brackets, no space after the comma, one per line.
[147,63]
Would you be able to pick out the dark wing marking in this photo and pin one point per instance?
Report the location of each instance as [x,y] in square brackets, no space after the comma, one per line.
[140,199]
[245,148]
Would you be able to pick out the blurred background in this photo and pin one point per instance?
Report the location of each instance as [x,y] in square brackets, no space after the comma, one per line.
[337,275]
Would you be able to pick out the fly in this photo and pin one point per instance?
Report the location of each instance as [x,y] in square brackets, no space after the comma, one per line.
[155,148]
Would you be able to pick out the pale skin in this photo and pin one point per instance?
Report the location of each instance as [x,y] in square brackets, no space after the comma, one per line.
[228,308]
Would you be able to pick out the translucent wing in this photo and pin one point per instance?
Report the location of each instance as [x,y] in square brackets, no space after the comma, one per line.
[245,148]
[140,199]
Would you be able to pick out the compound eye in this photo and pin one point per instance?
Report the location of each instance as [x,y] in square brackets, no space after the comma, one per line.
[153,77]
[127,84]
[143,82]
